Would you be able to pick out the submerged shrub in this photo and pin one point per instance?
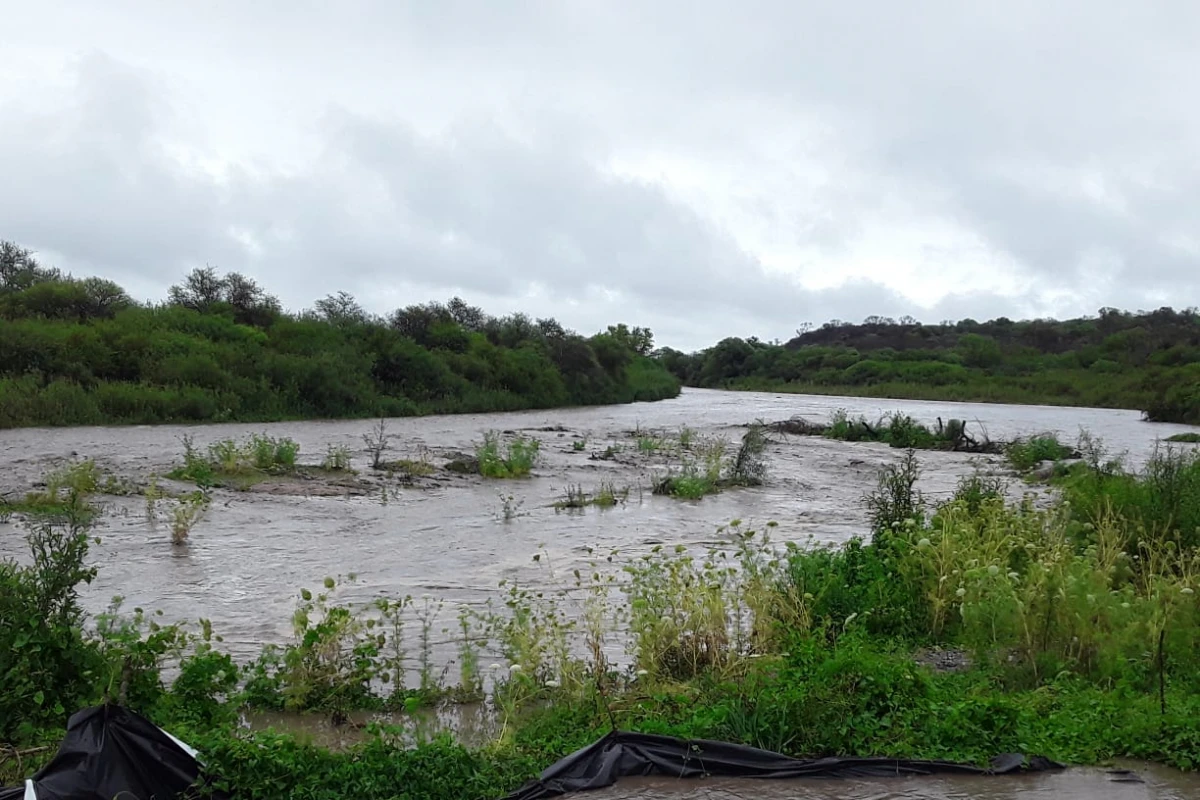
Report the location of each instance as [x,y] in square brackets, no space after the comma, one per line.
[230,460]
[517,459]
[895,500]
[748,466]
[1025,454]
[978,488]
[66,495]
[337,458]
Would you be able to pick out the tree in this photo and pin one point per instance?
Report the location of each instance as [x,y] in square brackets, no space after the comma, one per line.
[979,351]
[20,270]
[469,317]
[551,329]
[638,340]
[340,309]
[200,290]
[105,297]
[416,321]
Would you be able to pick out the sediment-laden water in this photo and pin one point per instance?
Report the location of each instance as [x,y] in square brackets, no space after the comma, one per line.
[449,537]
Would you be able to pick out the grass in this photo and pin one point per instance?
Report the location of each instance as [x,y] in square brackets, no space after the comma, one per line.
[237,464]
[708,467]
[1026,454]
[188,513]
[66,494]
[896,430]
[516,459]
[1158,505]
[686,437]
[413,468]
[1185,438]
[649,445]
[337,459]
[606,495]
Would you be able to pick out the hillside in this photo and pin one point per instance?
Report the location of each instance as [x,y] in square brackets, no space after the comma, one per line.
[81,351]
[1147,360]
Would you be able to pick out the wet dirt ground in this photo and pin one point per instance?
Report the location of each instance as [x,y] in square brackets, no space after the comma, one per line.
[449,536]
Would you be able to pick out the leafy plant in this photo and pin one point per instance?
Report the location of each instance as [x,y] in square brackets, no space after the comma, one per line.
[187,514]
[896,500]
[337,458]
[517,460]
[1025,454]
[236,463]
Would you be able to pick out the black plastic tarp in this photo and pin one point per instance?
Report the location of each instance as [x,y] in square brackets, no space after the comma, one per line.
[111,752]
[620,755]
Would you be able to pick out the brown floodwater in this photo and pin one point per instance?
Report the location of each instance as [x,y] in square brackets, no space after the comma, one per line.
[1131,782]
[449,538]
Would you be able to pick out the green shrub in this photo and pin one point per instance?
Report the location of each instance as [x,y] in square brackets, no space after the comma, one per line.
[337,458]
[231,462]
[516,460]
[1025,454]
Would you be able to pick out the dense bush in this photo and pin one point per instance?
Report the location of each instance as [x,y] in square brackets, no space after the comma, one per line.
[80,352]
[1148,361]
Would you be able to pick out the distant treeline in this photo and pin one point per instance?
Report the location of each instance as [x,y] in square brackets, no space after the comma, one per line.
[81,351]
[1148,361]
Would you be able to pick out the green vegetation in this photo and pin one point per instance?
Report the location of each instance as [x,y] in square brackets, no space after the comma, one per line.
[650,444]
[1025,454]
[1158,506]
[516,460]
[1179,402]
[337,459]
[902,431]
[229,463]
[189,511]
[707,467]
[65,494]
[81,352]
[1073,631]
[896,430]
[1148,361]
[1185,438]
[606,496]
[409,467]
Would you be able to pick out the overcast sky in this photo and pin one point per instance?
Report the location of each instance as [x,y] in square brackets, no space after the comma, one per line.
[704,168]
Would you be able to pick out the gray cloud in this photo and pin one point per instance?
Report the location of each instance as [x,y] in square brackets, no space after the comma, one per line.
[406,152]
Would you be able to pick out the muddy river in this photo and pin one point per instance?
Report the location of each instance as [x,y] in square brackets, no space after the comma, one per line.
[1133,782]
[450,536]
